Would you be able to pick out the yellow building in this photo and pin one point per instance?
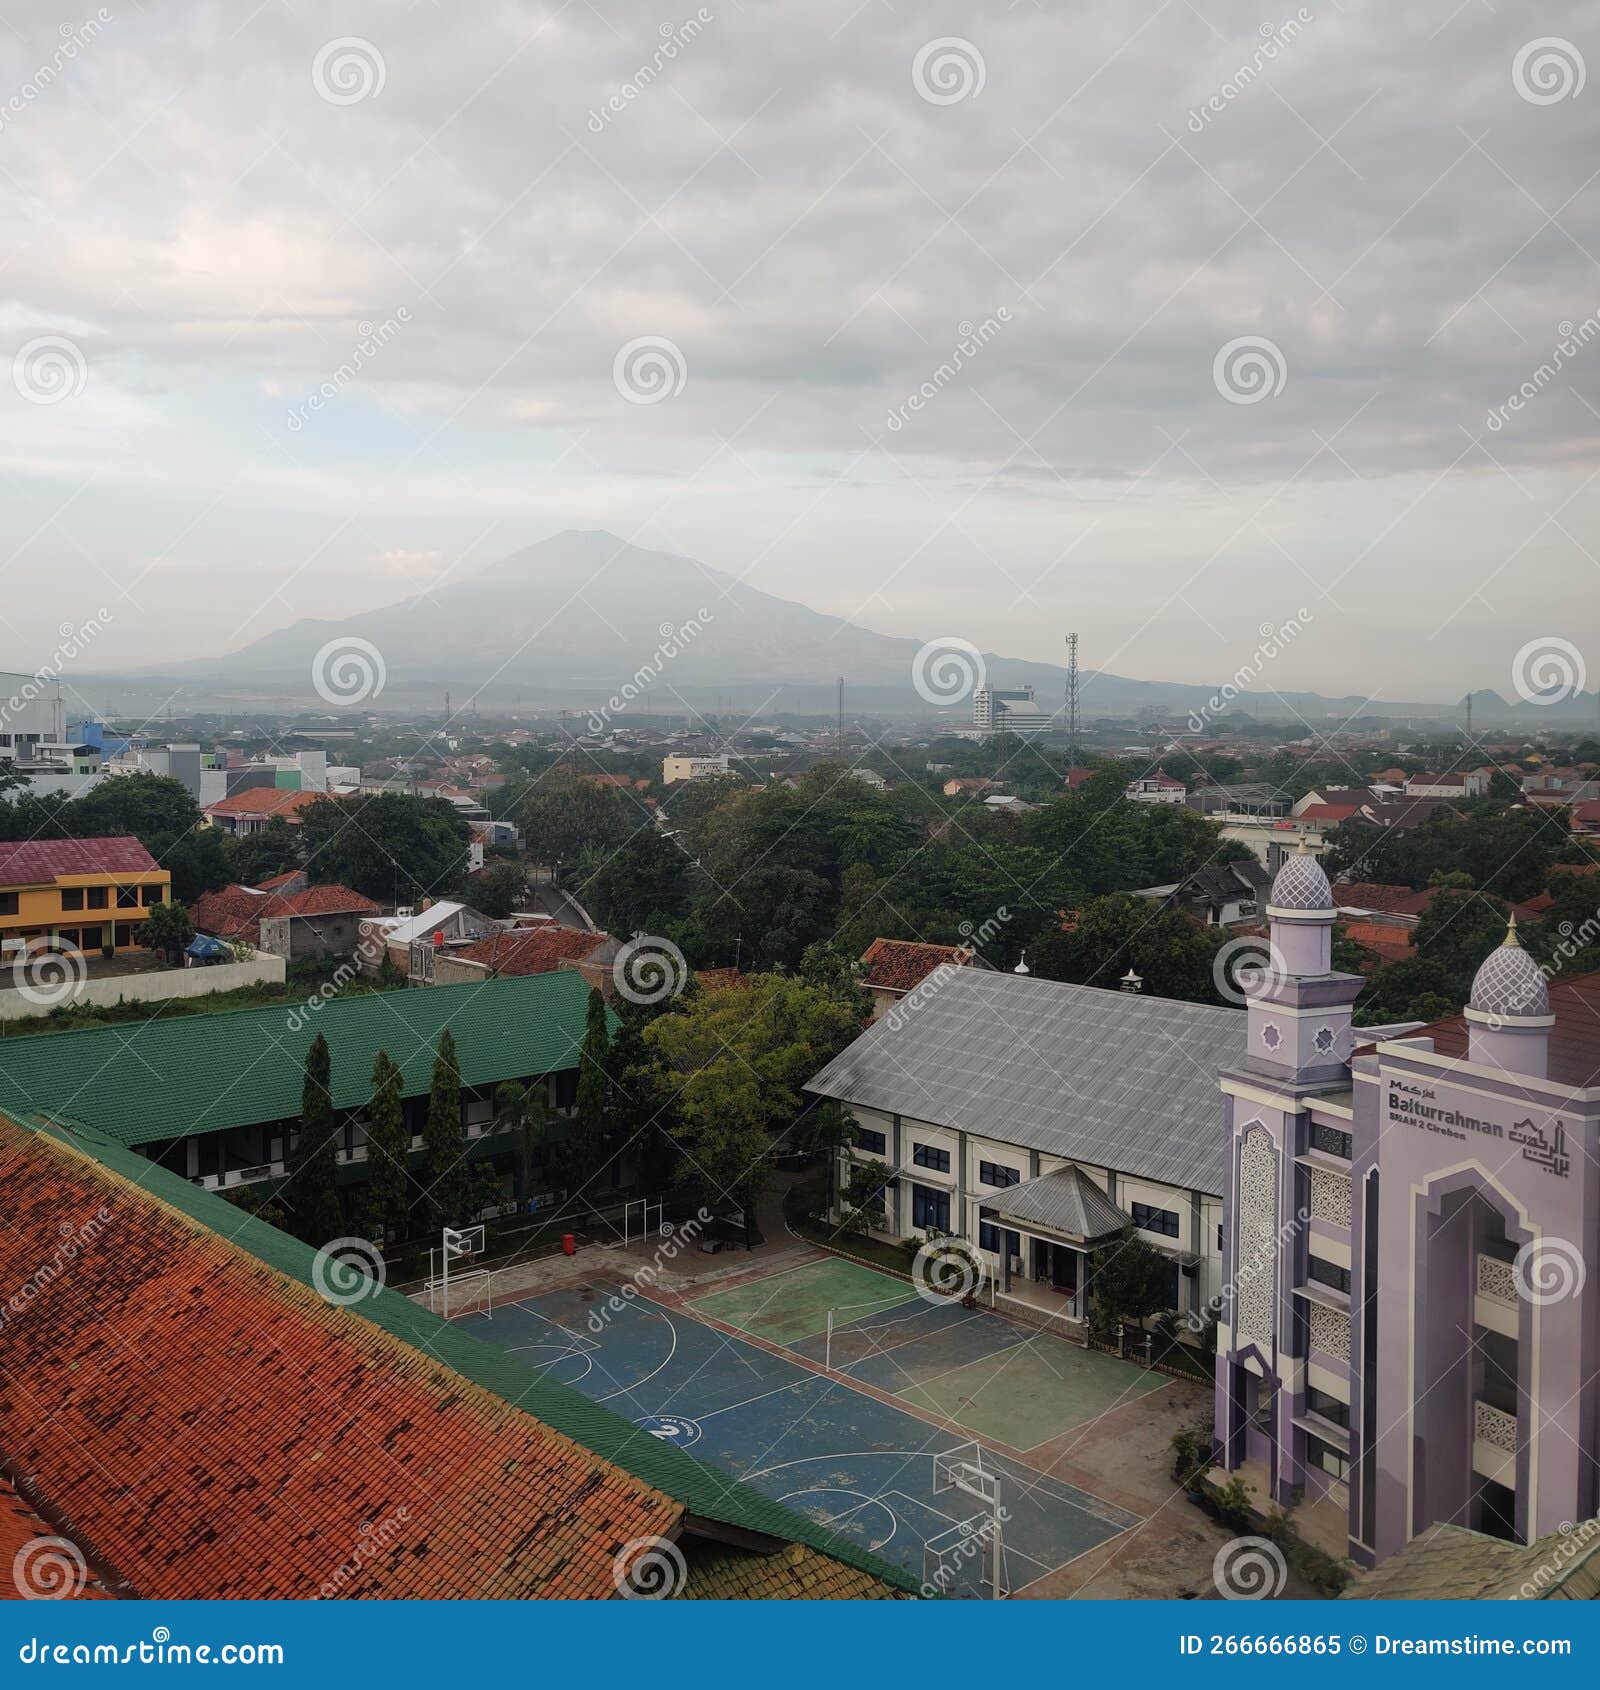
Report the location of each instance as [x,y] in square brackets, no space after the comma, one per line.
[78,894]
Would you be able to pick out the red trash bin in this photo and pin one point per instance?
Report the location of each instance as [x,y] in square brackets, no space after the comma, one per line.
[569,1244]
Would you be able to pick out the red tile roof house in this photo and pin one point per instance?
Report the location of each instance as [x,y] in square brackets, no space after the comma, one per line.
[197,1421]
[250,811]
[892,968]
[529,950]
[319,921]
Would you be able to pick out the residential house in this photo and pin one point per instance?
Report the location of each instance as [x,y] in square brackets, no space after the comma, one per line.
[892,968]
[1159,788]
[528,950]
[250,809]
[411,939]
[77,894]
[305,923]
[1465,783]
[1216,894]
[699,767]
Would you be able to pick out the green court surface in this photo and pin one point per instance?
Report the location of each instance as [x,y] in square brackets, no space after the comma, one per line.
[787,1307]
[1031,1391]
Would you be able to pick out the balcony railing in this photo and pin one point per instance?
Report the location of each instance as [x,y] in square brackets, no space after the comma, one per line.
[1494,1443]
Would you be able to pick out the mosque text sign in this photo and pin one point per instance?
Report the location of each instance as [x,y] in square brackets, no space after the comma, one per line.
[1541,1139]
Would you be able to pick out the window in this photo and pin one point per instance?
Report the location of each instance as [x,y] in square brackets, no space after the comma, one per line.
[97,897]
[1328,1273]
[925,1156]
[8,903]
[72,897]
[930,1208]
[1327,1459]
[1325,1407]
[874,1144]
[1330,1141]
[996,1173]
[124,935]
[1002,1240]
[1162,1221]
[127,897]
[152,895]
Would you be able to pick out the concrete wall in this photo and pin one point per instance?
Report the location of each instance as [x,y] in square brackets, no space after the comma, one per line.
[159,987]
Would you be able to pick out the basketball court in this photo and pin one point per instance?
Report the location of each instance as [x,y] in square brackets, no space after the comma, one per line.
[932,1498]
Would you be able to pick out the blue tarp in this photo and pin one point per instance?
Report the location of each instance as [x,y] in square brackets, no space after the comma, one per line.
[205,949]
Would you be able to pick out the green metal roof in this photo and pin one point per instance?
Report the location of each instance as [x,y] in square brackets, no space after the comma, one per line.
[701,1488]
[164,1079]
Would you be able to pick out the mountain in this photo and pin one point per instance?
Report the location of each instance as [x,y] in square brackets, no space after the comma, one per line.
[575,618]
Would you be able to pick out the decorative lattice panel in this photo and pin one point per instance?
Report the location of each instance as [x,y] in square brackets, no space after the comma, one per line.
[1497,1279]
[1257,1266]
[1330,1331]
[1330,1197]
[1495,1427]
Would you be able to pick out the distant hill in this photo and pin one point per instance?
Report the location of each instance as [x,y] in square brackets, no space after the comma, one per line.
[575,617]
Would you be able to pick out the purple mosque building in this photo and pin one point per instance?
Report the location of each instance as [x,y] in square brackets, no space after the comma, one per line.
[1407,1334]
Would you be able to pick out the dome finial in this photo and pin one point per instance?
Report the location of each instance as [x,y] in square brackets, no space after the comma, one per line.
[1511,932]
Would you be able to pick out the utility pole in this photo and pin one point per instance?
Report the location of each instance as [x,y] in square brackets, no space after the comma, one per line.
[1072,700]
[841,715]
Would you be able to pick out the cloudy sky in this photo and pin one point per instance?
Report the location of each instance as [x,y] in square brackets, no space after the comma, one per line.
[1155,320]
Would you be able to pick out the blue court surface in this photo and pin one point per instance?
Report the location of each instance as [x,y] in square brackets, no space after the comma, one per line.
[850,1461]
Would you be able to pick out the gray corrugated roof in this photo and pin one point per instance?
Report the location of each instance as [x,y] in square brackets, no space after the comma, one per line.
[1066,1201]
[1109,1078]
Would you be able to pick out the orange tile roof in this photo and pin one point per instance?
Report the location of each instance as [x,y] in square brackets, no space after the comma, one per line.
[1389,943]
[1574,1039]
[37,1562]
[214,1429]
[532,950]
[901,965]
[236,912]
[265,801]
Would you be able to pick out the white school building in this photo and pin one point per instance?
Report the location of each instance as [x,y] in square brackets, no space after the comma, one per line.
[1036,1120]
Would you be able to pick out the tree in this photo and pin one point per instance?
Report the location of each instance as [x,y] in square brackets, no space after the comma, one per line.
[392,847]
[388,1142]
[499,889]
[167,930]
[524,1113]
[313,1164]
[271,850]
[444,1141]
[1169,951]
[564,812]
[642,886]
[592,1072]
[1128,1280]
[862,1198]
